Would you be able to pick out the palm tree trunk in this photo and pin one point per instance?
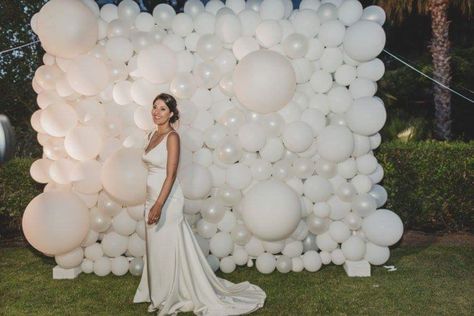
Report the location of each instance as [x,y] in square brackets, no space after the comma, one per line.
[440,51]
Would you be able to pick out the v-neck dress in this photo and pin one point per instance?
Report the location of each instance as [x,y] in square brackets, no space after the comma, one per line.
[176,275]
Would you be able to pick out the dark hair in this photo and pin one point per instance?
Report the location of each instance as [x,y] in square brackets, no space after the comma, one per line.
[171,103]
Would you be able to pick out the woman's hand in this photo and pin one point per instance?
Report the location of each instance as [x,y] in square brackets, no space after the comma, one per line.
[154,214]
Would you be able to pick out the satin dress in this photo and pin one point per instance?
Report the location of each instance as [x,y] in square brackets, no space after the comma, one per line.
[176,275]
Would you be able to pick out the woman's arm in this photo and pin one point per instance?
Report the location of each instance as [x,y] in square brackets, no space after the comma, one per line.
[173,147]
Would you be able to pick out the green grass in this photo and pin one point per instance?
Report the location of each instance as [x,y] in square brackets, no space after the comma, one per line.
[432,280]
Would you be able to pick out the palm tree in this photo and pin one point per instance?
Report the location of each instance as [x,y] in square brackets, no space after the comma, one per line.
[439,47]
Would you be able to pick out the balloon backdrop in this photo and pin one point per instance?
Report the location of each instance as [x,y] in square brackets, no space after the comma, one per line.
[279,120]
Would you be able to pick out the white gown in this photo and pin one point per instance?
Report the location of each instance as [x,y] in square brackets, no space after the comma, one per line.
[176,275]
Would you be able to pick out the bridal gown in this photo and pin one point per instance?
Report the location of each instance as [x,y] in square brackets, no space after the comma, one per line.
[176,275]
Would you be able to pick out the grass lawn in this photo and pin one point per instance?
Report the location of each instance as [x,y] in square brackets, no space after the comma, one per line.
[429,280]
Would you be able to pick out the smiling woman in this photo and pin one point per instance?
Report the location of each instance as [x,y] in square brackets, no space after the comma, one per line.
[176,274]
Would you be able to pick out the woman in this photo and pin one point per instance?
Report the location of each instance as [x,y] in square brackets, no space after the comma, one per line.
[176,275]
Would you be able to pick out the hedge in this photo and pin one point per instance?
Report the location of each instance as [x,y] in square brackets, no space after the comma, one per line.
[17,189]
[430,185]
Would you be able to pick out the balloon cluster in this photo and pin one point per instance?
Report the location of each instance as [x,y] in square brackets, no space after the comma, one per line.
[278,126]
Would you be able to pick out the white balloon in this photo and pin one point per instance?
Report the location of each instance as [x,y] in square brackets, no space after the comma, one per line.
[366,116]
[266,263]
[349,12]
[66,28]
[264,81]
[124,176]
[353,248]
[297,136]
[55,222]
[383,227]
[228,27]
[157,63]
[376,255]
[271,210]
[221,244]
[312,261]
[269,33]
[83,142]
[87,75]
[335,143]
[196,181]
[364,40]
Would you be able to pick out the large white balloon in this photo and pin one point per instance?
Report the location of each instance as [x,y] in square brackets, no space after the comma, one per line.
[55,222]
[364,40]
[67,28]
[271,210]
[264,81]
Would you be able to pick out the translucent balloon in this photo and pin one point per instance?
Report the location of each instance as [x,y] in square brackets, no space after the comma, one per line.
[206,229]
[164,14]
[183,85]
[264,81]
[213,210]
[55,222]
[207,74]
[295,45]
[66,28]
[379,194]
[271,218]
[229,151]
[118,27]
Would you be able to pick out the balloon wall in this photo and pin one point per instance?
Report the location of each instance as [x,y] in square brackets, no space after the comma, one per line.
[279,120]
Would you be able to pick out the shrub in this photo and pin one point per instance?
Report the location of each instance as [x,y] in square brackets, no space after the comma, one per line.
[430,184]
[17,189]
